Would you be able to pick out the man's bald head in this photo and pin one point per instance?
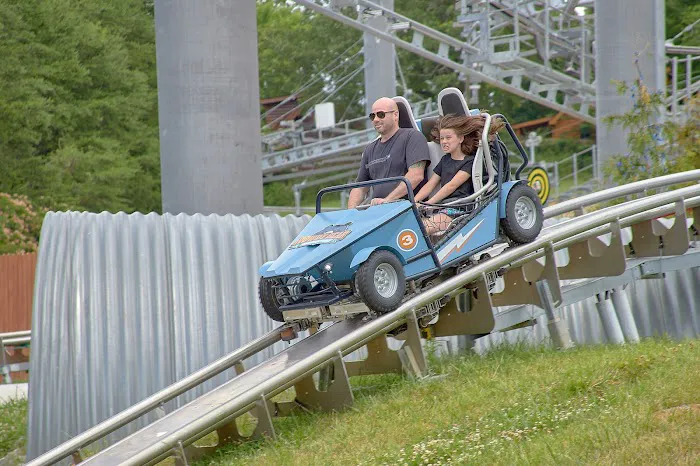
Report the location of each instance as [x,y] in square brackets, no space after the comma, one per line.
[388,125]
[384,104]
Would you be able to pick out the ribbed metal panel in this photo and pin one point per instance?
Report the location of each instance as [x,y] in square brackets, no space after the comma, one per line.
[669,306]
[125,305]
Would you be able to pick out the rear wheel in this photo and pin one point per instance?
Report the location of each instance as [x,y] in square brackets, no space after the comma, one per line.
[524,217]
[271,298]
[380,281]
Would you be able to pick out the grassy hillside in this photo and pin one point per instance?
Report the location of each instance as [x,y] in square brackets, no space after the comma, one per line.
[596,405]
[635,404]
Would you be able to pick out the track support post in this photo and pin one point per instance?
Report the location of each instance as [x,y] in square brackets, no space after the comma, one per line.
[411,353]
[611,325]
[624,315]
[558,330]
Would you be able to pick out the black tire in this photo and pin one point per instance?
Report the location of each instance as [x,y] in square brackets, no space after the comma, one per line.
[268,299]
[365,283]
[519,229]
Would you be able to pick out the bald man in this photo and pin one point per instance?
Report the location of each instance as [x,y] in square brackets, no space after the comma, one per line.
[397,152]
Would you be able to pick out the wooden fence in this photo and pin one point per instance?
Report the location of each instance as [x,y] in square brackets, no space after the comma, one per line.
[16,291]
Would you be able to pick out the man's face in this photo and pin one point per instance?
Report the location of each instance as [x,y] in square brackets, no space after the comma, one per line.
[391,117]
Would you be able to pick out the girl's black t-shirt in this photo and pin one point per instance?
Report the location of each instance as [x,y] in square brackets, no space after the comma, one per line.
[448,167]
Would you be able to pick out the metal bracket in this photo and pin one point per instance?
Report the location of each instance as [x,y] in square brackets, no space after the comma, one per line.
[478,320]
[592,258]
[380,360]
[229,433]
[651,238]
[411,353]
[337,397]
[520,282]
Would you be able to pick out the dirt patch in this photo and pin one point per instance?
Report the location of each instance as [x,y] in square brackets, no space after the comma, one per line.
[682,410]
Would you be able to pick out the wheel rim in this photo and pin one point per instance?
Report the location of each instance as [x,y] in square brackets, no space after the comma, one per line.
[280,294]
[386,280]
[525,212]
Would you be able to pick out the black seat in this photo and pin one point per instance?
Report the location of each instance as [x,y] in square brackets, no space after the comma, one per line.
[406,119]
[427,125]
[451,100]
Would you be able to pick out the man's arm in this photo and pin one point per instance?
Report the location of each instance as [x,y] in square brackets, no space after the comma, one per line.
[415,175]
[357,195]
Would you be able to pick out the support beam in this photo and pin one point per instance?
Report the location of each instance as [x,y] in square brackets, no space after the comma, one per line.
[611,325]
[624,315]
[380,63]
[209,106]
[558,330]
[628,34]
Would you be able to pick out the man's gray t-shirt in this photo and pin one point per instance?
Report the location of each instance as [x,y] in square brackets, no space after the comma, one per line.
[392,158]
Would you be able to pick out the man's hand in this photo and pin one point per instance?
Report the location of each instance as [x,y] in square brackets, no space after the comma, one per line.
[378,200]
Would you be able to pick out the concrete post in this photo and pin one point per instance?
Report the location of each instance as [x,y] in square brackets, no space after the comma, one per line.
[558,330]
[209,106]
[625,31]
[624,315]
[610,323]
[380,69]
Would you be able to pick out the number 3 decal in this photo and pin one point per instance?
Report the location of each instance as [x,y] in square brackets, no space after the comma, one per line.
[407,240]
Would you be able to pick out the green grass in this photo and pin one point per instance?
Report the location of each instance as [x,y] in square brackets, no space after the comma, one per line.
[13,426]
[635,404]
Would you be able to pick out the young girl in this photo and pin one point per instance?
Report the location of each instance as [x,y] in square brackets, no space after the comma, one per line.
[459,139]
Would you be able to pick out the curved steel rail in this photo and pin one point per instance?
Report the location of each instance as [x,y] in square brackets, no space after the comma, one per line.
[144,406]
[589,225]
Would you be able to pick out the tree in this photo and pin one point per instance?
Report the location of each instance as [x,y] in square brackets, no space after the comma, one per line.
[78,83]
[296,46]
[656,146]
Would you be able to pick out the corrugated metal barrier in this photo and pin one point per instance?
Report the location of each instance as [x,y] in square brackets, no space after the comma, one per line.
[661,307]
[125,305]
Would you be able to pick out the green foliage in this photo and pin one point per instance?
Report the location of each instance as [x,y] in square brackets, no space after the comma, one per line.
[679,15]
[13,426]
[20,224]
[78,103]
[655,148]
[295,45]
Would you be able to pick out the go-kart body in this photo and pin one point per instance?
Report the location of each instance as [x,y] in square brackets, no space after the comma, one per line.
[380,255]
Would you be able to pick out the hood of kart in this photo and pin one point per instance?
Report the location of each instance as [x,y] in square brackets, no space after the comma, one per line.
[329,232]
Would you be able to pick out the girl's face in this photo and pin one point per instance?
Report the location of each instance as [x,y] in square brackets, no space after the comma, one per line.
[449,141]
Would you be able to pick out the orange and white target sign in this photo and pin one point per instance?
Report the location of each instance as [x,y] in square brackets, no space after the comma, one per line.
[407,240]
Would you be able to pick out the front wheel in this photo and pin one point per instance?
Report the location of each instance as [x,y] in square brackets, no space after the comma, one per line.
[271,298]
[381,282]
[524,217]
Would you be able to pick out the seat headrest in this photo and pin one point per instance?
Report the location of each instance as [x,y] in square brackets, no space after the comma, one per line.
[451,100]
[406,119]
[426,126]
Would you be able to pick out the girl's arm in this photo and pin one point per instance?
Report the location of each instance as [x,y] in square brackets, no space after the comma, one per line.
[428,187]
[459,179]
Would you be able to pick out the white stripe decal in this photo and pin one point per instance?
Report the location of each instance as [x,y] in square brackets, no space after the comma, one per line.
[457,243]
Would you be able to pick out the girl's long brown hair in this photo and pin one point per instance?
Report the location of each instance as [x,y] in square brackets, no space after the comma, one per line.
[471,128]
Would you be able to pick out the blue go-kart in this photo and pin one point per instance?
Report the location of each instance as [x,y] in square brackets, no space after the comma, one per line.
[371,258]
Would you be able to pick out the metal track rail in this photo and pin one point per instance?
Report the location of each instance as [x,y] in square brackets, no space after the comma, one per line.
[139,409]
[211,410]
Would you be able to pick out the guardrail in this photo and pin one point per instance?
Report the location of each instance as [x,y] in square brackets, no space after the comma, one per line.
[684,85]
[583,227]
[13,339]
